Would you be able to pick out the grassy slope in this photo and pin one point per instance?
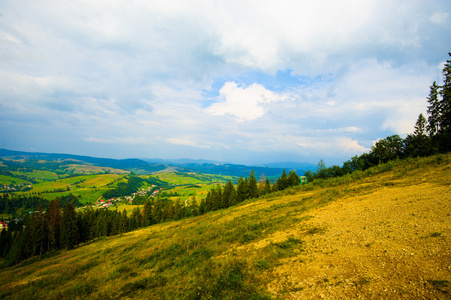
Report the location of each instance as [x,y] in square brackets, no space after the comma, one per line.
[382,236]
[89,190]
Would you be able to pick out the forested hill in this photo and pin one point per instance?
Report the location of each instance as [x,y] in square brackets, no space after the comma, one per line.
[156,165]
[126,164]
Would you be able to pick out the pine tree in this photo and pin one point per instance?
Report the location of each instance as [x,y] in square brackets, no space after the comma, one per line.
[157,211]
[267,186]
[253,188]
[147,213]
[445,103]
[169,210]
[53,220]
[229,195]
[293,179]
[282,182]
[69,235]
[90,223]
[38,231]
[433,110]
[178,212]
[124,222]
[242,190]
[417,144]
[202,207]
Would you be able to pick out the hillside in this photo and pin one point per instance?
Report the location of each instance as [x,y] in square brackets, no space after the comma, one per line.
[76,164]
[382,233]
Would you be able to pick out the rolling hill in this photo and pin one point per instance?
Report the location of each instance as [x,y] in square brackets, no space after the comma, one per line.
[149,166]
[381,233]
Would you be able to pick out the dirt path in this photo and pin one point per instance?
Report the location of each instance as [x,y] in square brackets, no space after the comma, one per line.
[393,243]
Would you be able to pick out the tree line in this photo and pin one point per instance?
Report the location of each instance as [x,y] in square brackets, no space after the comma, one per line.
[10,203]
[432,135]
[61,227]
[247,188]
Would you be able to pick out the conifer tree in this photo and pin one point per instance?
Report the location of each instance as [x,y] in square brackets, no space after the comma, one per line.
[37,230]
[218,199]
[157,211]
[202,207]
[229,195]
[124,222]
[178,213]
[5,242]
[147,213]
[417,144]
[293,179]
[242,189]
[267,186]
[433,110]
[69,235]
[282,182]
[253,188]
[169,207]
[53,220]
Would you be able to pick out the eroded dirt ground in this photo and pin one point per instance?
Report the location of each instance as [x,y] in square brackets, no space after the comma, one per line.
[392,243]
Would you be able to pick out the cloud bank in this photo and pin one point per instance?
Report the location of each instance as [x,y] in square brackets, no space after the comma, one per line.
[244,82]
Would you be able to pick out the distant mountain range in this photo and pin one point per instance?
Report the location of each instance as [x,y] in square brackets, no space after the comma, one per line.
[152,165]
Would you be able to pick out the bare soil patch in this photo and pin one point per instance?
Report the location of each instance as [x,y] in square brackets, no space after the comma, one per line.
[393,243]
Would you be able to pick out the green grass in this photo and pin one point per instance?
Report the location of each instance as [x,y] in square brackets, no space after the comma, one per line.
[7,180]
[177,178]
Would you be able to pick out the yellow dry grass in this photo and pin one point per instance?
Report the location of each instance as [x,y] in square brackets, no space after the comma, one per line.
[392,243]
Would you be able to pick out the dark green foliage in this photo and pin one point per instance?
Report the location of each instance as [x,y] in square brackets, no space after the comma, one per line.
[229,196]
[252,187]
[242,190]
[69,230]
[282,182]
[53,221]
[293,179]
[124,189]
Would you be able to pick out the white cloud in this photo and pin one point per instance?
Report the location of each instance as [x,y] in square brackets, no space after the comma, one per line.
[246,104]
[137,73]
[122,140]
[332,146]
[185,142]
[439,18]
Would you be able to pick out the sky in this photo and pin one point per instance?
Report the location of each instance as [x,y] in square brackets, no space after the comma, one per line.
[244,82]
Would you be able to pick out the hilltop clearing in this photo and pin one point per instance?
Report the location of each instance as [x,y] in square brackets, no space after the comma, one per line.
[382,233]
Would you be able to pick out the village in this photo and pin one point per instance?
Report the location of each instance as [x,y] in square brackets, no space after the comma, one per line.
[15,187]
[142,192]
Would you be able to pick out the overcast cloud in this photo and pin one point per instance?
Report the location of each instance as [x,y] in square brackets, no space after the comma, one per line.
[237,81]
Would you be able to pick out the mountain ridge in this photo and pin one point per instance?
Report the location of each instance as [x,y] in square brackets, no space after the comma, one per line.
[151,165]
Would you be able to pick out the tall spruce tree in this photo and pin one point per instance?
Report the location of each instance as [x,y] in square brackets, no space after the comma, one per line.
[282,182]
[253,187]
[445,93]
[229,195]
[242,190]
[69,235]
[53,220]
[433,110]
[417,144]
[124,222]
[293,179]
